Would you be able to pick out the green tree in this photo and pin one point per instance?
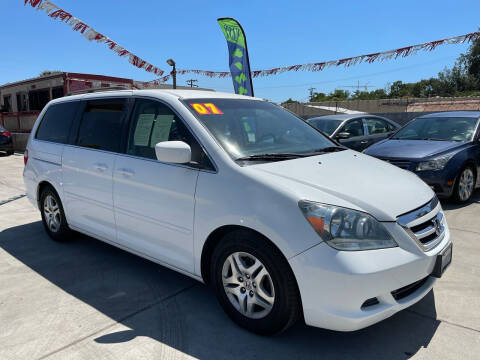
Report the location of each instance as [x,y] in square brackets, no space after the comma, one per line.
[335,95]
[289,101]
[471,61]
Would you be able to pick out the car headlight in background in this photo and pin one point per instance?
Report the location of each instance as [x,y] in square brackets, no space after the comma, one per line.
[346,229]
[434,164]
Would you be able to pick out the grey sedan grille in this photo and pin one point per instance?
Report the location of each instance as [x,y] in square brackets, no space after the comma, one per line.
[403,164]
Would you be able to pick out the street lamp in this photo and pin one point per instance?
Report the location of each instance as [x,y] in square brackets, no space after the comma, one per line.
[173,73]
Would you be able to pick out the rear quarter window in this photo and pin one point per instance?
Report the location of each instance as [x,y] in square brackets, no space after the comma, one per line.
[101,124]
[56,123]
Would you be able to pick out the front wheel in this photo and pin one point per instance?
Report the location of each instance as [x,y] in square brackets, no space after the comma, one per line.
[254,283]
[464,185]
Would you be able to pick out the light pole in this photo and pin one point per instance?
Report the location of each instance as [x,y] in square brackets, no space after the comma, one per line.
[173,73]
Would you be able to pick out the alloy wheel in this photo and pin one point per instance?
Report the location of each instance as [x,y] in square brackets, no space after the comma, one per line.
[248,285]
[51,210]
[465,184]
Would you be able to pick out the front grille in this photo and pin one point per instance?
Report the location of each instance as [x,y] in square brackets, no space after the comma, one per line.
[408,290]
[425,225]
[403,164]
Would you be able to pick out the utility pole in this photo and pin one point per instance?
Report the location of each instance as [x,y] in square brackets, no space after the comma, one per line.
[311,92]
[192,82]
[358,86]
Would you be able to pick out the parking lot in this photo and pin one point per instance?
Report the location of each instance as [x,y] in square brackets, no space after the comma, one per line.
[88,300]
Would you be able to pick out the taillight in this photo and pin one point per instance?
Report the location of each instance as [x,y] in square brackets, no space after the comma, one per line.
[6,133]
[25,157]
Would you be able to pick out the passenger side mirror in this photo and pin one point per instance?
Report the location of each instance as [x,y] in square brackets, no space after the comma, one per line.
[175,152]
[343,135]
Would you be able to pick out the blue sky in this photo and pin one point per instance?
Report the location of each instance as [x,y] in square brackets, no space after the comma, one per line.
[278,32]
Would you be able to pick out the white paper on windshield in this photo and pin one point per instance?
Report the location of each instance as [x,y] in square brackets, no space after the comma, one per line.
[143,129]
[161,129]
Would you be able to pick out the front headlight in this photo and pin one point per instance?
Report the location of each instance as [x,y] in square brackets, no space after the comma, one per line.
[346,229]
[434,164]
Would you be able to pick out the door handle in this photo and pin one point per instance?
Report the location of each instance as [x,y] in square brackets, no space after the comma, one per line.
[100,167]
[364,142]
[126,172]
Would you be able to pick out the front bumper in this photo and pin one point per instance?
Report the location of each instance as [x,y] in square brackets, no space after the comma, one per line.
[442,182]
[335,284]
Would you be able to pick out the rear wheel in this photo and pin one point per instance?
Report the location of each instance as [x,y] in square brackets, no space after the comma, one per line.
[464,185]
[254,283]
[53,216]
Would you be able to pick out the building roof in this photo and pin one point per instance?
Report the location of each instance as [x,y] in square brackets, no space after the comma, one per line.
[69,75]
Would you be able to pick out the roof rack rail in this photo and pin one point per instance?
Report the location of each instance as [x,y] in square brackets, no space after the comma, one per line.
[87,91]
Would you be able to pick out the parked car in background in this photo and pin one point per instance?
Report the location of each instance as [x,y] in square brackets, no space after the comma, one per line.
[356,131]
[442,148]
[6,143]
[243,195]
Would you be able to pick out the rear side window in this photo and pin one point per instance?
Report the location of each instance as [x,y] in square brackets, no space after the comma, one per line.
[354,127]
[56,123]
[101,124]
[377,126]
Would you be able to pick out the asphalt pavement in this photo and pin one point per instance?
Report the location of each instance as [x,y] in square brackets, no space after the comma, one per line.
[85,299]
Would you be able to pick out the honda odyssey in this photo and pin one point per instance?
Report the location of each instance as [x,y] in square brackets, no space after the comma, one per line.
[244,196]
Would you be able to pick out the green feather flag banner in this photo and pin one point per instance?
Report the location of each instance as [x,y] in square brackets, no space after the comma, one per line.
[238,56]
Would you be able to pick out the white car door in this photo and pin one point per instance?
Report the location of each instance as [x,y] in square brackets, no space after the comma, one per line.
[154,201]
[88,167]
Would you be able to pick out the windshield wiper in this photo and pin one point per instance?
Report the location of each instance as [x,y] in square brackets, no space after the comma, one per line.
[425,138]
[327,149]
[286,156]
[279,156]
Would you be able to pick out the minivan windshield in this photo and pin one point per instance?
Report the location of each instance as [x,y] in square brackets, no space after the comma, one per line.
[440,129]
[255,129]
[328,126]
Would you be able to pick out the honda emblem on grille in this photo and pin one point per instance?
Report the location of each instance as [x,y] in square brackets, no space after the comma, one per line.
[438,226]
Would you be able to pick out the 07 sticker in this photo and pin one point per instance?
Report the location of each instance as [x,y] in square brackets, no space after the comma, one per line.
[206,109]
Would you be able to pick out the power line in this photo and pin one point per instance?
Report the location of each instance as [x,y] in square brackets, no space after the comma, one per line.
[358,86]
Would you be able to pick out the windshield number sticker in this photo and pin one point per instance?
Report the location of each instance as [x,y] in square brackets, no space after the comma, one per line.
[206,109]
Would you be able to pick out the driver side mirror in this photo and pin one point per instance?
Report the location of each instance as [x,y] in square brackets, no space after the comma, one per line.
[343,135]
[175,152]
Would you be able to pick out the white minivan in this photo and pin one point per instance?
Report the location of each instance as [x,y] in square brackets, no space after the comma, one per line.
[244,196]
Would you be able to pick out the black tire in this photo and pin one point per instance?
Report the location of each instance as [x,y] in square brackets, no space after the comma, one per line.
[286,306]
[63,232]
[10,152]
[456,195]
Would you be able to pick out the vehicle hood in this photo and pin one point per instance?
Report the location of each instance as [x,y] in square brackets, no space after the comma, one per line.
[411,149]
[349,179]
